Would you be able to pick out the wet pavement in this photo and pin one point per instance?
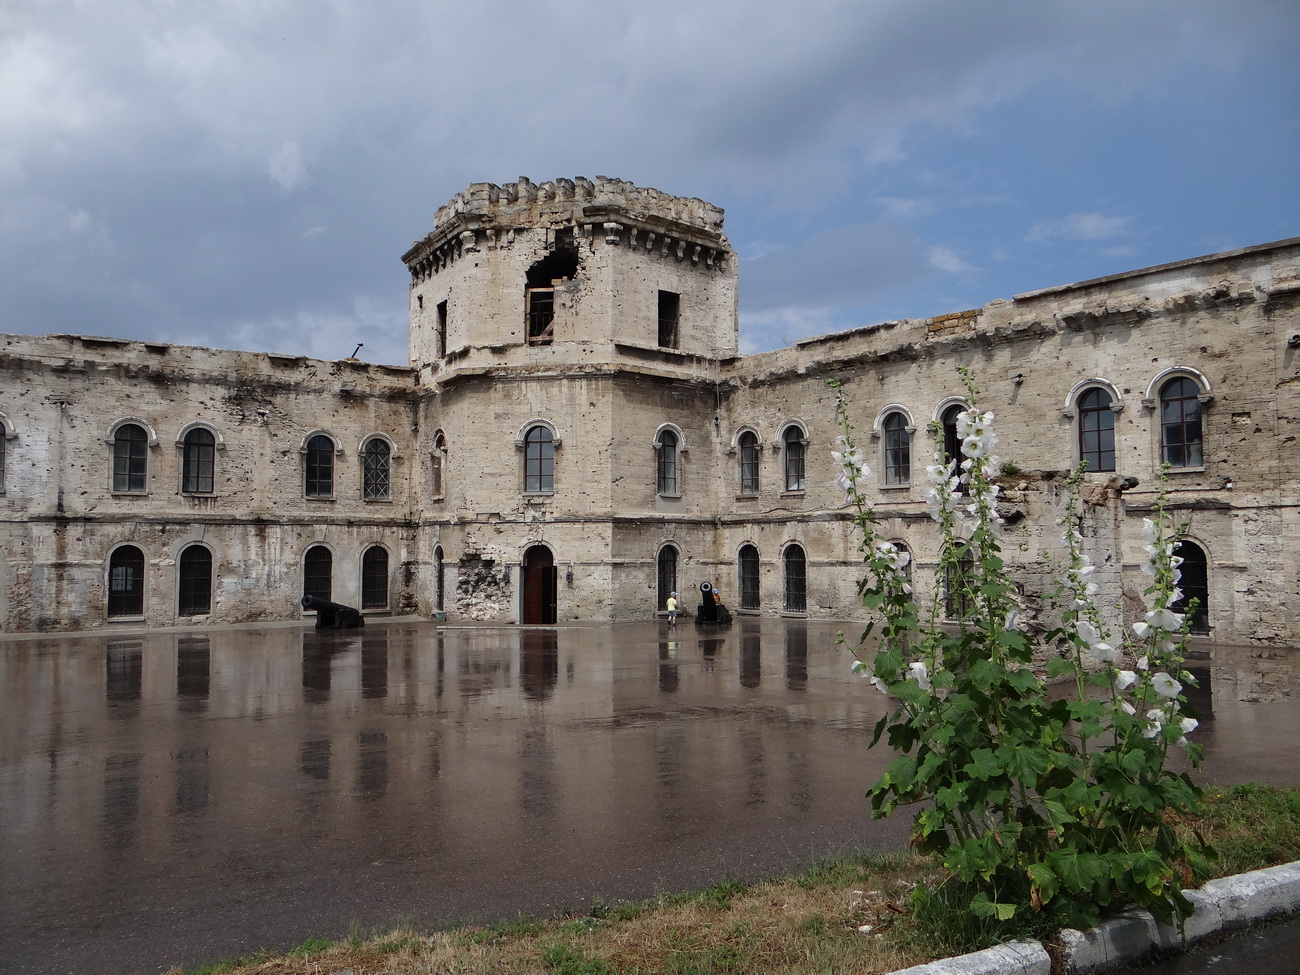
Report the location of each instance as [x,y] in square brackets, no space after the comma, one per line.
[180,797]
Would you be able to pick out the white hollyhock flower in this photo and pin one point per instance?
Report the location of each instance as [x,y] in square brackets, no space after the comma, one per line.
[1165,685]
[880,685]
[1124,679]
[1103,652]
[1143,630]
[1155,723]
[919,673]
[1188,725]
[1128,708]
[1142,663]
[1165,619]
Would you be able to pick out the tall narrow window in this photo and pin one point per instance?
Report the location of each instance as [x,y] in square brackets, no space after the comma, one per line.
[3,434]
[1096,430]
[130,453]
[540,310]
[748,577]
[795,451]
[440,336]
[749,462]
[957,574]
[539,461]
[1181,436]
[898,450]
[667,573]
[951,442]
[126,582]
[669,304]
[318,572]
[436,464]
[199,463]
[667,463]
[1195,584]
[440,580]
[374,578]
[375,463]
[195,581]
[318,467]
[796,580]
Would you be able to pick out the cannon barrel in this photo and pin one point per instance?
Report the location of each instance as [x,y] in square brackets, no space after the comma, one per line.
[333,615]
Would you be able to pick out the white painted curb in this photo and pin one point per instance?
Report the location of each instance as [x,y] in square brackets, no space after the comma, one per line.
[1221,905]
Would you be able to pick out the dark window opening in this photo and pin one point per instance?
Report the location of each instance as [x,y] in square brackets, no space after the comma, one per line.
[195,581]
[3,432]
[126,582]
[440,336]
[317,572]
[374,578]
[1195,584]
[376,466]
[898,450]
[199,462]
[1096,430]
[561,264]
[539,461]
[796,580]
[436,463]
[318,481]
[130,450]
[748,577]
[669,303]
[952,443]
[667,573]
[1181,435]
[440,580]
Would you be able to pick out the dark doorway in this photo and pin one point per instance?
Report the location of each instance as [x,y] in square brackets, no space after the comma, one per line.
[539,585]
[1195,584]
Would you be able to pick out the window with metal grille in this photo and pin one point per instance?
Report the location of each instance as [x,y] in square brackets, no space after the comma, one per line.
[748,577]
[748,463]
[898,450]
[796,580]
[1096,430]
[669,304]
[376,470]
[539,461]
[667,473]
[199,462]
[1181,433]
[130,458]
[318,468]
[126,582]
[795,450]
[317,572]
[667,573]
[374,578]
[195,581]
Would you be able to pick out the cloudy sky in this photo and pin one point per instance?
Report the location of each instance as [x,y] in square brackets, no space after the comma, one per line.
[247,173]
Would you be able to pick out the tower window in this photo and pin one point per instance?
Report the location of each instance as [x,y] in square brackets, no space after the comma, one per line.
[669,304]
[540,304]
[441,335]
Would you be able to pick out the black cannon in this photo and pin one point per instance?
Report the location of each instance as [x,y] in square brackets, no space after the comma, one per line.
[333,615]
[711,610]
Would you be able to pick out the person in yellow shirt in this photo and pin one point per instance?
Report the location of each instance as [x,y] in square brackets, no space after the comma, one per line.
[671,605]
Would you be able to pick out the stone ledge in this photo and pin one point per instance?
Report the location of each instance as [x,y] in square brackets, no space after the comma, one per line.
[1221,905]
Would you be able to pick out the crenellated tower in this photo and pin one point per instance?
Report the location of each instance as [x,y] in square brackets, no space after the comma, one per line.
[570,271]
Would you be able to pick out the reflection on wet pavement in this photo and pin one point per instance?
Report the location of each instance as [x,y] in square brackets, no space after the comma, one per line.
[174,798]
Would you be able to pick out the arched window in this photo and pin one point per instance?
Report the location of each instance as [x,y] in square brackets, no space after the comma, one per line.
[539,460]
[748,577]
[4,432]
[1096,430]
[318,467]
[374,578]
[130,459]
[795,450]
[796,580]
[666,466]
[1181,433]
[440,581]
[958,574]
[436,462]
[1195,584]
[749,462]
[198,464]
[667,573]
[126,581]
[318,572]
[898,449]
[951,441]
[375,458]
[195,580]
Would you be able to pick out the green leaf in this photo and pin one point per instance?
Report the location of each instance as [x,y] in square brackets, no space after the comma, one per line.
[983,765]
[1044,881]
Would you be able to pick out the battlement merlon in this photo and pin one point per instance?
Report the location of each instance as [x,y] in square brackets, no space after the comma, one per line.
[572,202]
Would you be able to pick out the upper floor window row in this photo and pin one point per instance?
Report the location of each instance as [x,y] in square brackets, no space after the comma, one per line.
[199,445]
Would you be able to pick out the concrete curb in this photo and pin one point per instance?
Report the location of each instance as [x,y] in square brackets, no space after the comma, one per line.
[1221,905]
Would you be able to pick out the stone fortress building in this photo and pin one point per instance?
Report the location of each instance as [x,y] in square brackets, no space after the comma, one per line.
[577,435]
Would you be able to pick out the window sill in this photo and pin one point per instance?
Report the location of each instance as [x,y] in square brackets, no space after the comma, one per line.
[377,500]
[129,494]
[538,495]
[794,494]
[313,497]
[895,487]
[1188,470]
[789,615]
[198,494]
[747,497]
[668,497]
[126,619]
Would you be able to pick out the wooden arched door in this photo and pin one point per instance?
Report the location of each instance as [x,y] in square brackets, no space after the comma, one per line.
[539,586]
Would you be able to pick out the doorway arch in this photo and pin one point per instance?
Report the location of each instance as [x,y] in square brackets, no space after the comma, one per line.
[539,585]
